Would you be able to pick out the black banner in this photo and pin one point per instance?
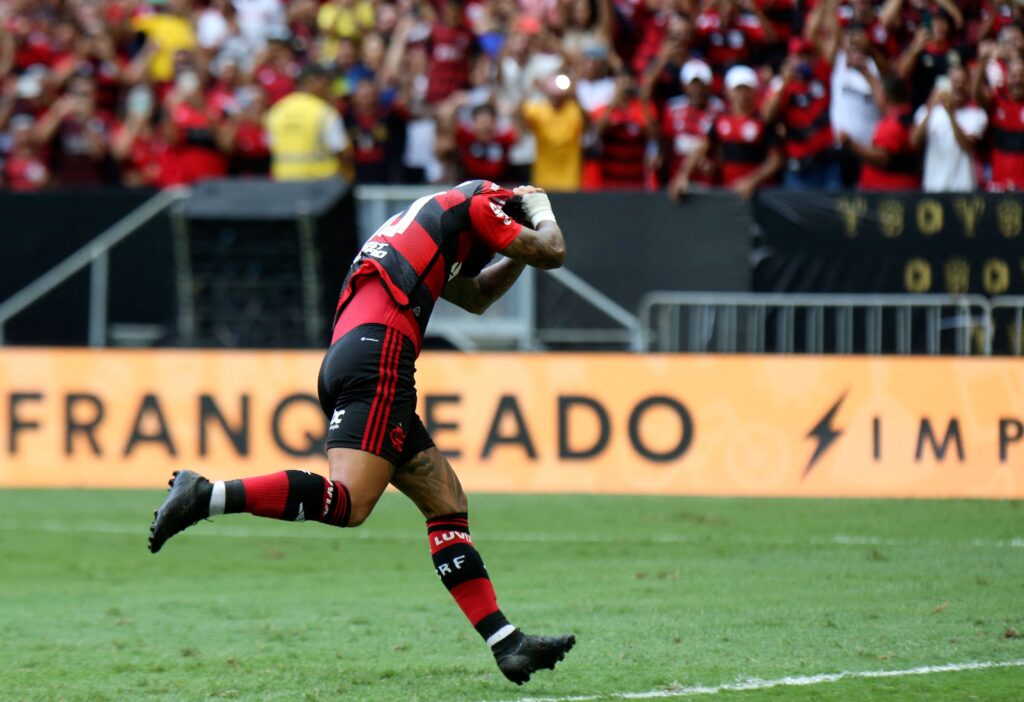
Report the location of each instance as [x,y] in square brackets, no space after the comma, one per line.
[891,243]
[627,244]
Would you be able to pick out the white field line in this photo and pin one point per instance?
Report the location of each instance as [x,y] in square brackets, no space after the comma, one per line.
[676,691]
[312,532]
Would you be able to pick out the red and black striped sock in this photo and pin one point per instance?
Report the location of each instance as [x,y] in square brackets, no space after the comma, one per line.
[291,495]
[462,571]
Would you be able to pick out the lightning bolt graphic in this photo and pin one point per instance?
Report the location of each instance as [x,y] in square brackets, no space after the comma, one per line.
[824,433]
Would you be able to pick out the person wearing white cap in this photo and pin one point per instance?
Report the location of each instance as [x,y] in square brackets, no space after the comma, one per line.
[687,119]
[745,148]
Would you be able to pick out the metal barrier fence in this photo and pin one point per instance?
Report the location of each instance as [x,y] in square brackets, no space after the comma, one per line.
[816,323]
[1008,320]
[96,256]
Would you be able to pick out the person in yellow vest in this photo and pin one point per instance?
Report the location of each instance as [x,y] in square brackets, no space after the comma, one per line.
[307,137]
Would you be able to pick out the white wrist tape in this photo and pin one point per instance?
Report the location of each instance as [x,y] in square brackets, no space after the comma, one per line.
[538,208]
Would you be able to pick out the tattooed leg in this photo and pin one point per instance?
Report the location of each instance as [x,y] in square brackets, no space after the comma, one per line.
[429,481]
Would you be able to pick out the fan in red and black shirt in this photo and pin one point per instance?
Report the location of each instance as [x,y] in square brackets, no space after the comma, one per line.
[864,14]
[687,120]
[24,169]
[624,127]
[800,101]
[451,45]
[743,145]
[437,247]
[928,57]
[890,162]
[727,35]
[1006,119]
[194,128]
[76,134]
[377,133]
[483,146]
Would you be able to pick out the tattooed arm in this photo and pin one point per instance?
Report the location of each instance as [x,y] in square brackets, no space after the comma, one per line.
[543,247]
[476,294]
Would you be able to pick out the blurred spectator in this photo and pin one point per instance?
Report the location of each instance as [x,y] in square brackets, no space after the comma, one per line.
[75,134]
[168,31]
[451,44]
[1005,106]
[997,15]
[196,131]
[277,69]
[729,31]
[347,19]
[257,18]
[624,127]
[687,122]
[890,162]
[307,137]
[906,17]
[800,101]
[140,150]
[245,135]
[856,94]
[745,149]
[661,76]
[950,129]
[929,56]
[557,121]
[24,169]
[481,148]
[377,133]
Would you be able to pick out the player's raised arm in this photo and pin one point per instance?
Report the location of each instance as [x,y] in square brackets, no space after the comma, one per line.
[543,246]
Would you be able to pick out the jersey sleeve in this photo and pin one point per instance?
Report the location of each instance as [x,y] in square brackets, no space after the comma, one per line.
[490,224]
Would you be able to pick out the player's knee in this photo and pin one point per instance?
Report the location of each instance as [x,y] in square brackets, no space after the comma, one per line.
[359,514]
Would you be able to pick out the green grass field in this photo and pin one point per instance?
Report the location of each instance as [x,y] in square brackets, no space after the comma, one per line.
[664,594]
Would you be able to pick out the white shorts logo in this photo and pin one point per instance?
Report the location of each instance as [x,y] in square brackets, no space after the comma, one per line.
[336,419]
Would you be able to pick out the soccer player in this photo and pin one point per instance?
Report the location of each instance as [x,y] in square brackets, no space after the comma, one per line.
[438,247]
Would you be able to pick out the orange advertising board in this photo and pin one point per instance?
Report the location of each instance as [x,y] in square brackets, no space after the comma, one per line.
[615,423]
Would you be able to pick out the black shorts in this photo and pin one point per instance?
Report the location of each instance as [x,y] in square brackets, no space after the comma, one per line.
[368,394]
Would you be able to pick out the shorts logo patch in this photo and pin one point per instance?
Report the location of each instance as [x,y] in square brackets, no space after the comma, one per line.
[397,437]
[336,419]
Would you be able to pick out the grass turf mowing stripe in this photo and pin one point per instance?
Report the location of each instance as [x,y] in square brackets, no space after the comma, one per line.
[753,684]
[528,537]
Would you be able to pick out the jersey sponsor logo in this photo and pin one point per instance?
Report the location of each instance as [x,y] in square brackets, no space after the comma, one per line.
[441,538]
[337,417]
[376,249]
[451,566]
[500,213]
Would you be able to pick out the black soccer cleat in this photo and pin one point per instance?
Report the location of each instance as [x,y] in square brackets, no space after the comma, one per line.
[524,654]
[187,502]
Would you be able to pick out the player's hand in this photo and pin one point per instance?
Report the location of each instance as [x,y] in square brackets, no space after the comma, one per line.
[536,205]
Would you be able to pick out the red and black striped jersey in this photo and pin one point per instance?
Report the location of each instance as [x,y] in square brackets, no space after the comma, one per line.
[417,251]
[1007,142]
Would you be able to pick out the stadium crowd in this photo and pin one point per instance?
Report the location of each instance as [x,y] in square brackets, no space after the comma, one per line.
[566,94]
